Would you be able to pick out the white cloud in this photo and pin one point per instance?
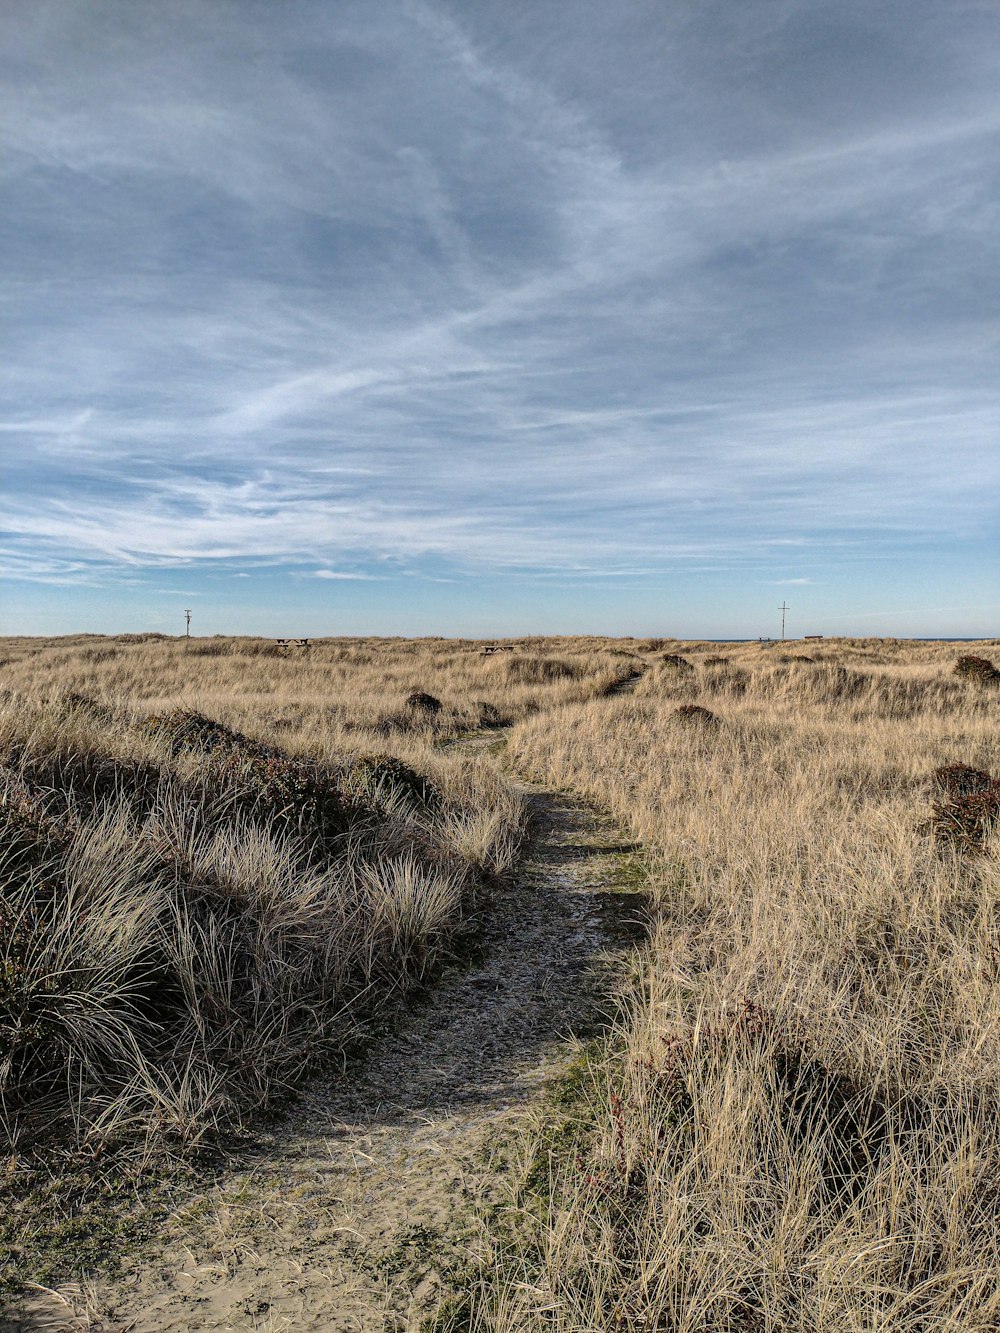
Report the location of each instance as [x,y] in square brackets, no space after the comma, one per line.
[338,574]
[444,295]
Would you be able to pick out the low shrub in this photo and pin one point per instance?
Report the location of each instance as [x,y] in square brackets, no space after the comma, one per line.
[268,784]
[977,669]
[423,703]
[696,713]
[376,778]
[677,662]
[91,709]
[971,810]
[726,680]
[186,731]
[961,779]
[28,836]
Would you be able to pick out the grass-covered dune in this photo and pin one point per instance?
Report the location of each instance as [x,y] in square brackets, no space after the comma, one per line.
[220,858]
[796,1124]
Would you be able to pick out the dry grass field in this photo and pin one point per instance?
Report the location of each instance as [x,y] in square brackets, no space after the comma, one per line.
[220,858]
[219,862]
[796,1124]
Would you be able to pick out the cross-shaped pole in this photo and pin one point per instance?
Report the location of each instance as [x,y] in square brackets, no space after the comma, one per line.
[783,608]
[187,624]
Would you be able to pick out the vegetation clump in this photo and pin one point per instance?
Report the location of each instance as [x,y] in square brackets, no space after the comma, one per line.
[979,670]
[970,809]
[679,663]
[716,659]
[727,679]
[530,670]
[73,701]
[266,783]
[961,779]
[696,713]
[423,703]
[185,927]
[189,731]
[488,714]
[27,834]
[379,778]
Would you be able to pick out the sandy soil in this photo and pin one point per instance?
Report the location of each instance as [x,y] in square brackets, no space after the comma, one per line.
[354,1206]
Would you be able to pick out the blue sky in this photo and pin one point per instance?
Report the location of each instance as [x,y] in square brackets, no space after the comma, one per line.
[506,317]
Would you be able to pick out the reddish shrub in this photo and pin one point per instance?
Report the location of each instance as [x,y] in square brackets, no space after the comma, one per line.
[961,780]
[972,808]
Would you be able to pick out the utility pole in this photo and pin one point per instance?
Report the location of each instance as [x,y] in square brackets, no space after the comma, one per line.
[783,608]
[187,625]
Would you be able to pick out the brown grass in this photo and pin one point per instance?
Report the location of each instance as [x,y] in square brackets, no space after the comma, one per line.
[220,858]
[796,1124]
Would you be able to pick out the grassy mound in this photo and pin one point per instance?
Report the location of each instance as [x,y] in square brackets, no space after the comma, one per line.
[189,917]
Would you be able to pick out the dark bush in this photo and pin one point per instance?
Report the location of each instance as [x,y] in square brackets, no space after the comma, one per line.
[726,680]
[93,710]
[961,779]
[978,669]
[71,783]
[28,836]
[489,714]
[375,777]
[677,662]
[715,660]
[245,774]
[424,703]
[189,731]
[972,808]
[273,785]
[696,713]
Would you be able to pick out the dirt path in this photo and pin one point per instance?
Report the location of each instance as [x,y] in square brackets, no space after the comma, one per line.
[355,1203]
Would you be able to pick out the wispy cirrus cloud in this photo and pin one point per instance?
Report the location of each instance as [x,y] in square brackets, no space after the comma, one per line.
[433,286]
